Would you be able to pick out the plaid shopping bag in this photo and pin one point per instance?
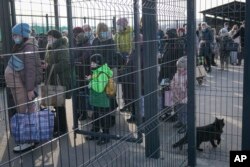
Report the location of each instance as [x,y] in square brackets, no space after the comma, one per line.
[32,127]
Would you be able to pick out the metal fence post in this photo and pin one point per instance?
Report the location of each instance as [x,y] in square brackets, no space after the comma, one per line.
[13,12]
[138,63]
[246,83]
[71,45]
[191,53]
[56,15]
[152,141]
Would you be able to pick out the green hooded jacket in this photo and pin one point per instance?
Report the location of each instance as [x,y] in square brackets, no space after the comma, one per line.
[124,40]
[98,82]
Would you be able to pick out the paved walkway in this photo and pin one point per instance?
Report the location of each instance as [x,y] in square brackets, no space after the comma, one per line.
[220,96]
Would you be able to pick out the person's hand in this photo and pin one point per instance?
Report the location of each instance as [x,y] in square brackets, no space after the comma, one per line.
[88,77]
[44,65]
[31,95]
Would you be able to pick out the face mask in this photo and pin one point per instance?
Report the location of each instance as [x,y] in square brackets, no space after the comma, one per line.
[104,35]
[88,34]
[203,28]
[18,40]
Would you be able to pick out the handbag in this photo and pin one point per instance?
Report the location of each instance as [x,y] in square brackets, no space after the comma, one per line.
[15,63]
[200,71]
[53,95]
[169,100]
[32,127]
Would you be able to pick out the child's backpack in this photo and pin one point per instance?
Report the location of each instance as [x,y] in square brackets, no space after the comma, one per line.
[110,88]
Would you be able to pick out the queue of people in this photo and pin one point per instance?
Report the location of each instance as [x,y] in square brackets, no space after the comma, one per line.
[100,56]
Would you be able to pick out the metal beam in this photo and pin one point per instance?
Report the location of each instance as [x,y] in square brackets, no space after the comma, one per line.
[56,14]
[191,53]
[6,26]
[152,142]
[246,87]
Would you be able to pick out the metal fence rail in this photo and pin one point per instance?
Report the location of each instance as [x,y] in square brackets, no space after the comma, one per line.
[137,127]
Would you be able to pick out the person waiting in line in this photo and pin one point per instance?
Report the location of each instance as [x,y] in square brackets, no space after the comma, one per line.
[123,40]
[104,45]
[173,50]
[57,55]
[65,33]
[214,48]
[23,78]
[234,54]
[206,40]
[225,28]
[76,31]
[88,33]
[99,100]
[241,33]
[224,53]
[82,66]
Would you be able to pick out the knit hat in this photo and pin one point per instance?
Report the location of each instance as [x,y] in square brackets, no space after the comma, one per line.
[96,58]
[182,62]
[54,33]
[122,22]
[22,29]
[171,33]
[77,30]
[181,30]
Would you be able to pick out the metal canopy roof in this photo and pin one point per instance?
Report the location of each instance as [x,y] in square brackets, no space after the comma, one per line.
[234,11]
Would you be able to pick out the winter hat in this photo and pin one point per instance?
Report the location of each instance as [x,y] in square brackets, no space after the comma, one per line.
[181,30]
[96,58]
[86,28]
[77,30]
[122,22]
[182,62]
[54,33]
[171,33]
[22,29]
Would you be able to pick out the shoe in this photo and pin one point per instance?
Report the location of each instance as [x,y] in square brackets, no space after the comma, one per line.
[91,138]
[102,141]
[178,124]
[23,147]
[131,119]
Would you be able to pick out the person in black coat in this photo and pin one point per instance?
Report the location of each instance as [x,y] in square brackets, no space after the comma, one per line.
[173,50]
[82,66]
[241,33]
[104,45]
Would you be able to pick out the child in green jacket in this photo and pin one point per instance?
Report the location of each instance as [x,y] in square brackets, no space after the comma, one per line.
[98,97]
